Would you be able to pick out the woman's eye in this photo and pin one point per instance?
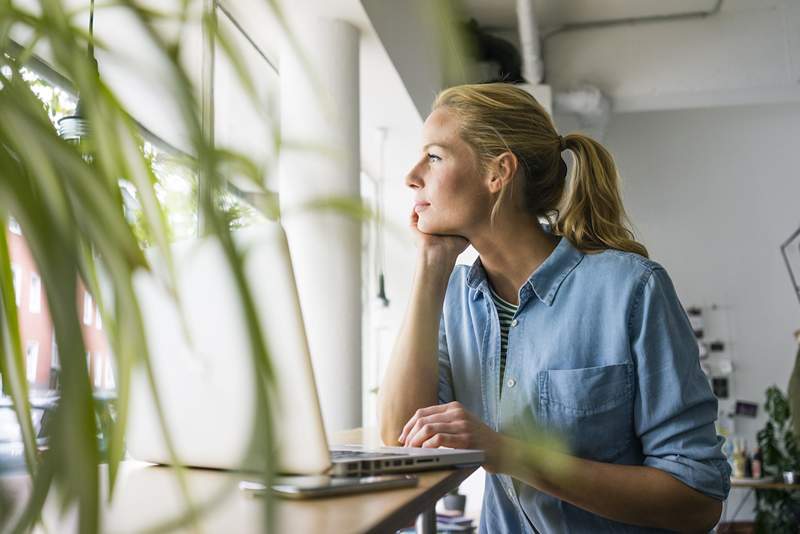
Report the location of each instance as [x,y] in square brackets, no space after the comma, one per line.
[434,158]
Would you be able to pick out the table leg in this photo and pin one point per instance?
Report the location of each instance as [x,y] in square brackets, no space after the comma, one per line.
[741,503]
[426,522]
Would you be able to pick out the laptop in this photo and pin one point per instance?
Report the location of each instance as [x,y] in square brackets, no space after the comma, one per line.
[204,374]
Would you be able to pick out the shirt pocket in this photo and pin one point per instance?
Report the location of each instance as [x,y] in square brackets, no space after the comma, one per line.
[590,408]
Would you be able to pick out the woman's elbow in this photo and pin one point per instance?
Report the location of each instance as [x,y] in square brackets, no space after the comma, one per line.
[707,517]
[714,511]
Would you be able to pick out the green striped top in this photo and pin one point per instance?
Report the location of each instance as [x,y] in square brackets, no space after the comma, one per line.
[505,312]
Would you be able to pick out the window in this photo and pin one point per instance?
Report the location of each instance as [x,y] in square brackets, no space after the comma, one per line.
[175,174]
[56,101]
[88,309]
[110,382]
[35,297]
[176,181]
[175,186]
[16,271]
[55,363]
[99,368]
[176,190]
[13,226]
[32,360]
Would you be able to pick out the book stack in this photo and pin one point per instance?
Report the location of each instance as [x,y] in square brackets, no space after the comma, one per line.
[447,522]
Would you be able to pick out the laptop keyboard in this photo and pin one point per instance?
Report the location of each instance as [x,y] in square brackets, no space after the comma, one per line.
[366,463]
[362,455]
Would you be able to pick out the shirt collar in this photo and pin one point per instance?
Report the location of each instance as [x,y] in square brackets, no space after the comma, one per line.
[545,280]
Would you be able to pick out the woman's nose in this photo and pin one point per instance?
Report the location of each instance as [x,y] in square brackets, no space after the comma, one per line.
[412,178]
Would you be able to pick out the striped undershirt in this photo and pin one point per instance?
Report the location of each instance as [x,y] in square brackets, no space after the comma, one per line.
[505,312]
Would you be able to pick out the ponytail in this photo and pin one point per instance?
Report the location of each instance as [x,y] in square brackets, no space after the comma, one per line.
[592,215]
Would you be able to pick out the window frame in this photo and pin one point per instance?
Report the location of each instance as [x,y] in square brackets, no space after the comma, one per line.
[31,353]
[88,308]
[16,276]
[35,293]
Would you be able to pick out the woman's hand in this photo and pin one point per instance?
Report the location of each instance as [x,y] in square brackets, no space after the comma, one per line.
[452,425]
[437,247]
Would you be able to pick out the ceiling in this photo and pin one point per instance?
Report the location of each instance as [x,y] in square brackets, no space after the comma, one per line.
[551,14]
[746,52]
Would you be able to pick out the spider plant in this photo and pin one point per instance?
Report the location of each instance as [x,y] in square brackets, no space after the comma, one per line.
[68,203]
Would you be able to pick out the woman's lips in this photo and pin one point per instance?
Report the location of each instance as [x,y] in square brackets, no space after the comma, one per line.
[419,206]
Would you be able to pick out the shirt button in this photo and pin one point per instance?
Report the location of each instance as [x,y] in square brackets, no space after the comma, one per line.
[511,493]
[514,322]
[511,382]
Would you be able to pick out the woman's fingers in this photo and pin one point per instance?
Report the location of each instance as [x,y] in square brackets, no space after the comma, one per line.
[414,219]
[429,430]
[455,441]
[436,418]
[422,412]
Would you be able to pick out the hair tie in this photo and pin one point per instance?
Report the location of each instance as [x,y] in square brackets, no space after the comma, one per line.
[562,143]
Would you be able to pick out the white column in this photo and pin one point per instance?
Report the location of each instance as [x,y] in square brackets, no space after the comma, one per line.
[320,159]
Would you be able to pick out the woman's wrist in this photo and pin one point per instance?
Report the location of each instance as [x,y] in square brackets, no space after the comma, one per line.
[539,466]
[435,266]
[435,261]
[430,281]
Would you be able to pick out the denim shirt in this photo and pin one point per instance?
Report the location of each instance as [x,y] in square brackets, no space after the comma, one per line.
[601,352]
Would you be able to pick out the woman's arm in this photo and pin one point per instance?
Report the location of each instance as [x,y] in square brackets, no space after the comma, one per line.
[411,379]
[639,495]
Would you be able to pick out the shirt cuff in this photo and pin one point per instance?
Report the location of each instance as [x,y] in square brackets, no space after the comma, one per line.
[711,477]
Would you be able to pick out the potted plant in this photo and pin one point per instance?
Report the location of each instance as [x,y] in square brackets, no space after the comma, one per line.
[778,511]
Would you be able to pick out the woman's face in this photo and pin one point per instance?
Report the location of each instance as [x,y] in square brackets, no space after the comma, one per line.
[450,196]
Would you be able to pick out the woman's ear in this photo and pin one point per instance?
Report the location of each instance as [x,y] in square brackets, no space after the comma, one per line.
[502,171]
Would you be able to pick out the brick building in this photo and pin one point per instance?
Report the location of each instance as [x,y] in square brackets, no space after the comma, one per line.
[37,334]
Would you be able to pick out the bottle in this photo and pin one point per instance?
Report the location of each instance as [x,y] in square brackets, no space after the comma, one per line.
[748,464]
[757,461]
[738,458]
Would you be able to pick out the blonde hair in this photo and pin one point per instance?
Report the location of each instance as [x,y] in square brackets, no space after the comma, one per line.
[499,117]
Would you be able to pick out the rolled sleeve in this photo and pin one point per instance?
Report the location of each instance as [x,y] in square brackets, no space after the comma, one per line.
[675,409]
[445,371]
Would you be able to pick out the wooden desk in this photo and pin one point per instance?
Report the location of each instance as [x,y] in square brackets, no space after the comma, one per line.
[148,496]
[764,485]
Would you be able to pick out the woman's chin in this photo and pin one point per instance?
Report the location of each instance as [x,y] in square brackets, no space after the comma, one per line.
[429,227]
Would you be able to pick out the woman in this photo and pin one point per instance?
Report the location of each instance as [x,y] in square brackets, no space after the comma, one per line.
[566,327]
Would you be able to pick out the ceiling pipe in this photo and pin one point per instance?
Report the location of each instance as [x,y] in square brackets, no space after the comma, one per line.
[529,39]
[591,107]
[633,20]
